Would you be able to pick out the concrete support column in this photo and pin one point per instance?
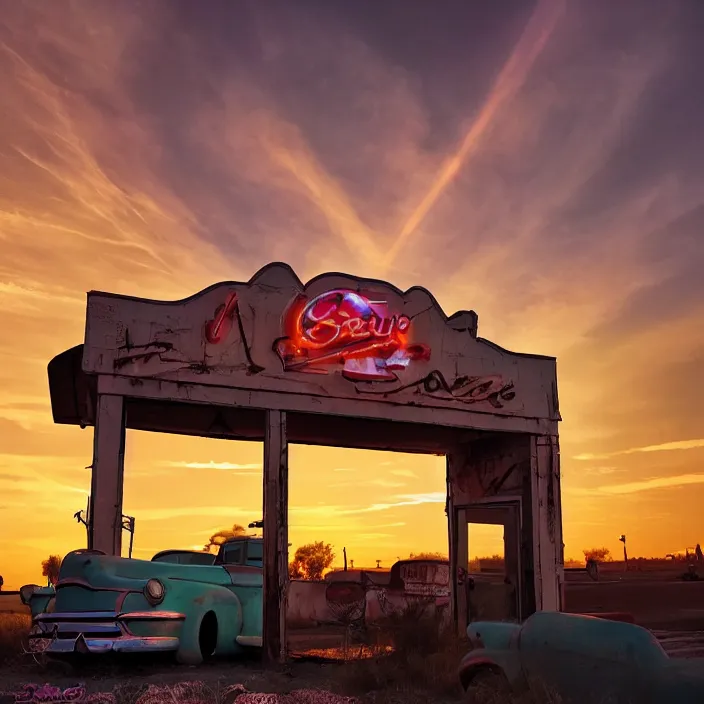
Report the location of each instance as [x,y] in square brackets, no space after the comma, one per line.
[462,564]
[548,557]
[105,523]
[458,549]
[275,536]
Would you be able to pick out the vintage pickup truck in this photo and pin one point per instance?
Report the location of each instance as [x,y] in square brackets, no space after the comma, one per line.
[580,659]
[191,603]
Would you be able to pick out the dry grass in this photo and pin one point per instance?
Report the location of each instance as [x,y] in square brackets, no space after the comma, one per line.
[420,667]
[13,636]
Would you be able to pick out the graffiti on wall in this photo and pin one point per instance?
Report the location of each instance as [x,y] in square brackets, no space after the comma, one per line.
[345,330]
[490,388]
[218,328]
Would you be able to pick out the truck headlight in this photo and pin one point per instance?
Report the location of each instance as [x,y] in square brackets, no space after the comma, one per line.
[154,592]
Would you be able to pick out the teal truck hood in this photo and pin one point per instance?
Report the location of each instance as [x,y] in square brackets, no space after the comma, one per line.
[495,635]
[115,572]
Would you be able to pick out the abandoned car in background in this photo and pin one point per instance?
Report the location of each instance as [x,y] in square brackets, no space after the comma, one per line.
[577,659]
[193,604]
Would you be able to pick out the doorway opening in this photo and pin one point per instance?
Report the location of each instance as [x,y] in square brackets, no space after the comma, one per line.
[494,590]
[372,511]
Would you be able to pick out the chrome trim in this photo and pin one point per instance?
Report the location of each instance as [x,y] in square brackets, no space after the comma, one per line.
[124,644]
[250,641]
[99,632]
[89,617]
[75,616]
[151,616]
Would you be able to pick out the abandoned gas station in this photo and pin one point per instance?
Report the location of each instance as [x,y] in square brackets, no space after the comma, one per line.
[339,361]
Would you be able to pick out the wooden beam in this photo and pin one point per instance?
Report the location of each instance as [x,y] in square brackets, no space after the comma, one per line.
[448,414]
[275,536]
[452,534]
[105,524]
[547,524]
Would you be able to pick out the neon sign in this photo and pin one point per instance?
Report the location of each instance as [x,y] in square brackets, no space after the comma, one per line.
[342,327]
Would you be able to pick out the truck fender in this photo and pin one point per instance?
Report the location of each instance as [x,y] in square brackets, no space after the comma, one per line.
[471,667]
[505,665]
[213,621]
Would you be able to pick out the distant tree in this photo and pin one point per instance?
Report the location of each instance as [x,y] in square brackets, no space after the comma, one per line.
[311,560]
[427,556]
[217,539]
[475,564]
[51,567]
[597,554]
[295,570]
[2,581]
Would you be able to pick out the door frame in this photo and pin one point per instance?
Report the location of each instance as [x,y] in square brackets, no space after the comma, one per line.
[504,506]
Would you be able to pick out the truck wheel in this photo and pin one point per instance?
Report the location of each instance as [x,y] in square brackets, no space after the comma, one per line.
[487,686]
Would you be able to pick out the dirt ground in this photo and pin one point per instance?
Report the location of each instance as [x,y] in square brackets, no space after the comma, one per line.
[659,604]
[371,674]
[104,677]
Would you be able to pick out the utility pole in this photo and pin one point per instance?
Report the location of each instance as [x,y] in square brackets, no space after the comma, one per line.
[622,538]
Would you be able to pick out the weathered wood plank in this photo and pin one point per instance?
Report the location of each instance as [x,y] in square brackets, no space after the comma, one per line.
[275,536]
[462,417]
[105,520]
[548,562]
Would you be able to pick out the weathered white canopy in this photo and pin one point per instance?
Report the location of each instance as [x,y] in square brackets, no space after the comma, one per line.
[227,344]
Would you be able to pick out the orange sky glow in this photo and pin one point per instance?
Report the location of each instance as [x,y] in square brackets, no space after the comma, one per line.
[151,168]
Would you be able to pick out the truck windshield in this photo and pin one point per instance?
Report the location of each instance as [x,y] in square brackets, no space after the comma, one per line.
[255,553]
[185,558]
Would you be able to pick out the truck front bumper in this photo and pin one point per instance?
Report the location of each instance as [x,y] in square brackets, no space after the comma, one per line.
[101,632]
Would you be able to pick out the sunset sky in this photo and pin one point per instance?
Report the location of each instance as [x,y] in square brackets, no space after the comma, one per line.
[540,163]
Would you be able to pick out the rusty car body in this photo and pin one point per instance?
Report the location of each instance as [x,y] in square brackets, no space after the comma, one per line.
[107,604]
[579,659]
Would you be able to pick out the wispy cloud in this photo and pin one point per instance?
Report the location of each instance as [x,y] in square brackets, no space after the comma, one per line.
[171,513]
[663,447]
[343,527]
[380,482]
[509,81]
[654,483]
[362,537]
[403,472]
[230,466]
[602,470]
[436,497]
